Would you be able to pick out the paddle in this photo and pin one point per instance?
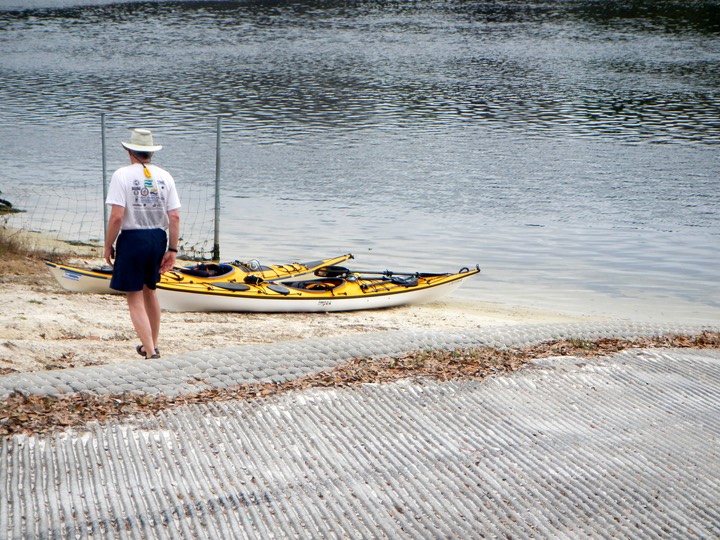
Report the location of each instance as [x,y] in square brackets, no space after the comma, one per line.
[342,272]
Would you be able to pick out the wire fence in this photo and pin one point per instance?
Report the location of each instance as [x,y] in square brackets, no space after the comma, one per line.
[79,215]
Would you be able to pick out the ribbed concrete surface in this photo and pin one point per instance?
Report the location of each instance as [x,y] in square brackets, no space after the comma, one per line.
[620,447]
[283,361]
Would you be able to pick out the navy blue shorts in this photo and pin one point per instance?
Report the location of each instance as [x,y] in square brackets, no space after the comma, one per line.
[138,254]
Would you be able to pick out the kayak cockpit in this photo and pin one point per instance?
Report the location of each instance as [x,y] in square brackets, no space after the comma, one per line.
[315,285]
[211,270]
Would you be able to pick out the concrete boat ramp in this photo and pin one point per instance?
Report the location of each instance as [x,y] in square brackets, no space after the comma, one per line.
[624,446]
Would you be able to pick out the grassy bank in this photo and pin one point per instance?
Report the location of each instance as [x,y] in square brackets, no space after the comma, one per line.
[18,259]
[22,252]
[12,246]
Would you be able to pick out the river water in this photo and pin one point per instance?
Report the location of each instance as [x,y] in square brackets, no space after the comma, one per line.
[570,148]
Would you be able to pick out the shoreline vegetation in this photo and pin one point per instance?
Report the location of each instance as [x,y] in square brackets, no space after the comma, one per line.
[45,327]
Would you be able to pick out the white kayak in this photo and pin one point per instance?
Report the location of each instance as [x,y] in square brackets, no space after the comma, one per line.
[351,291]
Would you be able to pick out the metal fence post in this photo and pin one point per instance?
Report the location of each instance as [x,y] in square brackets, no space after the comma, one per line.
[216,244]
[104,176]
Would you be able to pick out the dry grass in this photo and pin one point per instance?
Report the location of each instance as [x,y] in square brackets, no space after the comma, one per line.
[10,246]
[14,255]
[22,254]
[39,414]
[19,262]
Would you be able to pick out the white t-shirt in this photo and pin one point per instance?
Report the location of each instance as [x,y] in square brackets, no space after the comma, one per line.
[146,200]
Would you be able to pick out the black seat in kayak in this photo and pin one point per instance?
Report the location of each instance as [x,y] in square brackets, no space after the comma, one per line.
[315,285]
[207,270]
[409,281]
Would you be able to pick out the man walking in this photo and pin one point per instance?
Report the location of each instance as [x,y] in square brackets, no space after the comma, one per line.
[142,235]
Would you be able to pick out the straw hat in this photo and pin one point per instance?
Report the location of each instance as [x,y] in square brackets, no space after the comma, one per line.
[141,140]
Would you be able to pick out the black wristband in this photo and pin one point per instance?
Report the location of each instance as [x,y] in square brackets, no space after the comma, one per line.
[173,250]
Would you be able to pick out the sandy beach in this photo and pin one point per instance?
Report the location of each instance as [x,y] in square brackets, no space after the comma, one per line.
[43,326]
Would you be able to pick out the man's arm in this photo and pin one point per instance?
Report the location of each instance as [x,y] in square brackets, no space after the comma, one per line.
[114,223]
[168,260]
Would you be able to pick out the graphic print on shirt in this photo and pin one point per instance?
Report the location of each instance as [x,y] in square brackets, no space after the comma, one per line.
[146,195]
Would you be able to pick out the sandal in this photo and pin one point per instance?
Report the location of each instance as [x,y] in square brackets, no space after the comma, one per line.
[142,352]
[153,357]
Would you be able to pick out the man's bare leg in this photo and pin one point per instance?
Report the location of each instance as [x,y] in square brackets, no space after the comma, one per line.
[141,321]
[152,308]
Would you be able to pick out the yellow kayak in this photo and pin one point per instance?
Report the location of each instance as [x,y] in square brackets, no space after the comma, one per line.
[327,291]
[97,280]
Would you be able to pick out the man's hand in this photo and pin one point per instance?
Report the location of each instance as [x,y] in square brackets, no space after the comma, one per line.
[116,217]
[109,255]
[168,261]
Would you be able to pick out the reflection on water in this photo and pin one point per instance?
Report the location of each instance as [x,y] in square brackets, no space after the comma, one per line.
[566,68]
[587,126]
